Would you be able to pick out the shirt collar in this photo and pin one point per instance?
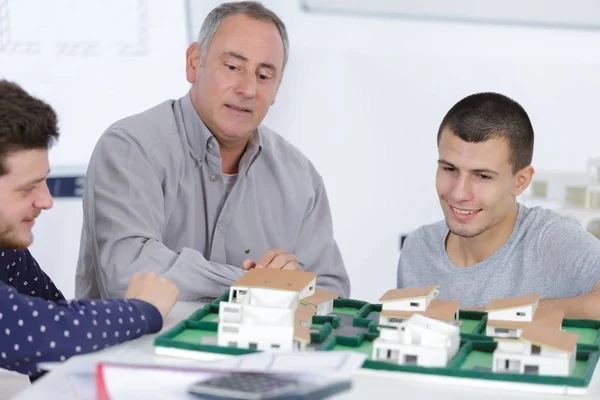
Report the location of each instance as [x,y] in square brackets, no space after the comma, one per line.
[199,136]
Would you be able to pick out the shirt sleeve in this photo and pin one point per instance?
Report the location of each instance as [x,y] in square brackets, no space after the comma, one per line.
[34,330]
[123,220]
[570,255]
[316,247]
[20,270]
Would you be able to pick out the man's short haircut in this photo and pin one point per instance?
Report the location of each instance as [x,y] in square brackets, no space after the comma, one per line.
[26,123]
[252,9]
[483,116]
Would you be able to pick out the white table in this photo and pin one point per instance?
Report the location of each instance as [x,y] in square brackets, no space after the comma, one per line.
[366,384]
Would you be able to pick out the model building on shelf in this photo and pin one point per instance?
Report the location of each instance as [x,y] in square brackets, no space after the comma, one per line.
[397,305]
[539,350]
[508,317]
[262,309]
[420,340]
[321,301]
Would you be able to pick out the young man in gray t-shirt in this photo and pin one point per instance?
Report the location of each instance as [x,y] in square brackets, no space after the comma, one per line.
[489,245]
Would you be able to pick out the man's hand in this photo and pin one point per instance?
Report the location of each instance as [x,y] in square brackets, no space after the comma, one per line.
[274,258]
[153,289]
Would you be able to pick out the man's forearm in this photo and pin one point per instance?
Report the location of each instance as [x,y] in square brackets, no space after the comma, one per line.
[584,306]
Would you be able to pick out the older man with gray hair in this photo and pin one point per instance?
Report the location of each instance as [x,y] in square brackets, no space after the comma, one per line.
[196,189]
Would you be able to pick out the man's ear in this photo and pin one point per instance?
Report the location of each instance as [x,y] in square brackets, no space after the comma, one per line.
[523,178]
[192,62]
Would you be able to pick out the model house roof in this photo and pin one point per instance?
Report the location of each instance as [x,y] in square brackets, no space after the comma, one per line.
[279,279]
[548,318]
[320,296]
[302,333]
[304,313]
[407,293]
[540,335]
[443,310]
[512,302]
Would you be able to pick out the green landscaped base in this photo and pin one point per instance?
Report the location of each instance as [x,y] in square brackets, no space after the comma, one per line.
[344,310]
[210,317]
[193,336]
[476,349]
[586,335]
[468,325]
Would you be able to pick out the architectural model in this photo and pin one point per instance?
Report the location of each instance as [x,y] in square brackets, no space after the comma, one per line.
[539,350]
[420,340]
[397,305]
[508,317]
[321,301]
[262,309]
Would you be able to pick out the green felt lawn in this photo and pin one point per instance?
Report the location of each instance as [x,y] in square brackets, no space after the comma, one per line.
[344,310]
[477,359]
[468,325]
[586,335]
[210,317]
[193,336]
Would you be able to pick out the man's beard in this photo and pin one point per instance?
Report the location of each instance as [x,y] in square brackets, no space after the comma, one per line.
[9,240]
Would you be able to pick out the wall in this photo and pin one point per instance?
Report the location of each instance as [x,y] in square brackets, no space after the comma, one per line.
[362,97]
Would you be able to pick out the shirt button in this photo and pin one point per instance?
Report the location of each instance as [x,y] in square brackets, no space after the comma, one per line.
[213,178]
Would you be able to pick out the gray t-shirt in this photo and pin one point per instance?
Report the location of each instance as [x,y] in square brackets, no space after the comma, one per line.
[546,253]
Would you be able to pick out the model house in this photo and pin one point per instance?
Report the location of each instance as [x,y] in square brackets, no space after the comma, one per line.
[397,305]
[539,350]
[508,317]
[303,315]
[420,340]
[262,311]
[301,338]
[300,282]
[322,301]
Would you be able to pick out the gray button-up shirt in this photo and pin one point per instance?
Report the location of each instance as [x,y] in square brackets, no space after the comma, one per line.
[155,200]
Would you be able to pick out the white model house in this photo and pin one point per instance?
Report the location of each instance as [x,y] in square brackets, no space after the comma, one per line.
[539,350]
[261,311]
[508,317]
[322,301]
[420,340]
[397,305]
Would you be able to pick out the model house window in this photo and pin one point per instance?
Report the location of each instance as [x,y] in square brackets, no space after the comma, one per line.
[532,369]
[231,309]
[410,359]
[275,346]
[396,320]
[520,314]
[232,344]
[414,304]
[535,349]
[231,329]
[502,330]
[252,345]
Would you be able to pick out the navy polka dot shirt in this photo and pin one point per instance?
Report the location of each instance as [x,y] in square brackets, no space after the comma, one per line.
[37,324]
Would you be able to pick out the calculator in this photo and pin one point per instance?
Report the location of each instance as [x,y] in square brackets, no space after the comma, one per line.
[246,386]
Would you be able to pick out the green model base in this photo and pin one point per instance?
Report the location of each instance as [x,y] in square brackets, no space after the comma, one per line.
[353,325]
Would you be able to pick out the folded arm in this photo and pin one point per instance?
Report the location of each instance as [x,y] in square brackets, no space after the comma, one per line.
[124,212]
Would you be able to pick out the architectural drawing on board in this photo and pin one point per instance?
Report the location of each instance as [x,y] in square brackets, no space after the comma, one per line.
[576,195]
[79,28]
